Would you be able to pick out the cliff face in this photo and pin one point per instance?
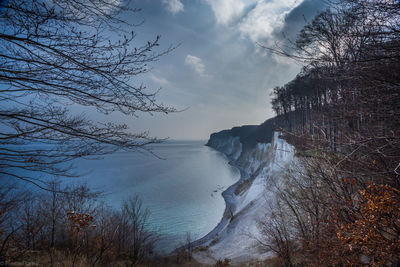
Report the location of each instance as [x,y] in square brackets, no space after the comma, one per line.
[227,144]
[246,146]
[257,163]
[246,201]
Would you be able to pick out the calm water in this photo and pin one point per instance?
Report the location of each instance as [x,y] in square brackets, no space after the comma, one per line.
[182,191]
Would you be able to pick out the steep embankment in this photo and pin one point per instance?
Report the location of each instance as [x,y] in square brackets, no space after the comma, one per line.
[261,156]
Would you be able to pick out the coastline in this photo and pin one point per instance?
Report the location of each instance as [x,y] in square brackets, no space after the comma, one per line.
[237,235]
[232,200]
[230,206]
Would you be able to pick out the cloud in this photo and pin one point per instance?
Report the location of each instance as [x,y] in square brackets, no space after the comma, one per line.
[173,6]
[254,19]
[265,18]
[195,63]
[157,79]
[298,17]
[226,11]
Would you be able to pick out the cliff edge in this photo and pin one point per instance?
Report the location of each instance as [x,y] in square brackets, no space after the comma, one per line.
[261,157]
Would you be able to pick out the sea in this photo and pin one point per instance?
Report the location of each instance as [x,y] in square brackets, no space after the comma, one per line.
[181,186]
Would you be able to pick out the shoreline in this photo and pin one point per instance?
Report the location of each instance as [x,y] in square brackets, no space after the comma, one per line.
[230,206]
[237,235]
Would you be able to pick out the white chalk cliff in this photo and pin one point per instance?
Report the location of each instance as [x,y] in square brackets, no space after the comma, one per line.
[246,201]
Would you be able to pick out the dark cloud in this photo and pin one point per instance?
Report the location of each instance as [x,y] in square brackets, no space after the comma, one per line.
[298,18]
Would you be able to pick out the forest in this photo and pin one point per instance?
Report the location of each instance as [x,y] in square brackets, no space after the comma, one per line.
[339,205]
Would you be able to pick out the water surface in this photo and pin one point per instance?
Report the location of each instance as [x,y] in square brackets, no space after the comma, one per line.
[182,191]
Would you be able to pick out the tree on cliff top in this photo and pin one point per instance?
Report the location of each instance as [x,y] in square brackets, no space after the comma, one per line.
[59,54]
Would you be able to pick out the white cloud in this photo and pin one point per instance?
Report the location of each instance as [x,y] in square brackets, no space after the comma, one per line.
[226,11]
[263,17]
[158,79]
[195,63]
[173,6]
[267,16]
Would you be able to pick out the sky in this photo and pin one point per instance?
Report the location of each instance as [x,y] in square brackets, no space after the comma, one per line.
[219,76]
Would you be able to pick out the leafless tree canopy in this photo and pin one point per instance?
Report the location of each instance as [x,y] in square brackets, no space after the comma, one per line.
[74,228]
[59,54]
[340,203]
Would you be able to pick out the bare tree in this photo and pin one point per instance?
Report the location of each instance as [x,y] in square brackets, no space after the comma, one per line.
[140,238]
[60,53]
[103,242]
[189,246]
[32,221]
[9,202]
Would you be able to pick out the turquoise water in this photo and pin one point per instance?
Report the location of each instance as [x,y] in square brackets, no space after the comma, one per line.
[182,191]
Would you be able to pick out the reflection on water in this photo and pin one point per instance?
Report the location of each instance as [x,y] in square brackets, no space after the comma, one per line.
[182,191]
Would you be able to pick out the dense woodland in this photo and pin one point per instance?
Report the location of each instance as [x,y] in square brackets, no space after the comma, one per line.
[339,205]
[250,135]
